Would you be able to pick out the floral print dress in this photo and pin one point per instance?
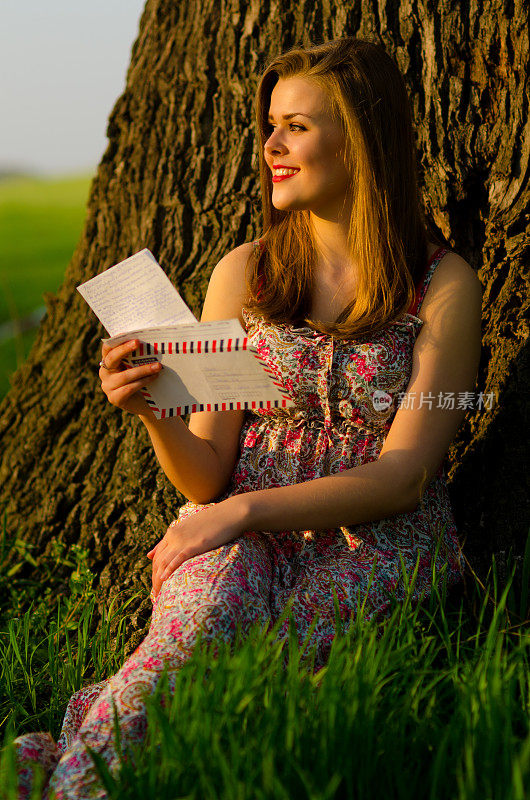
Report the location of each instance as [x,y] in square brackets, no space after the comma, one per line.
[346,395]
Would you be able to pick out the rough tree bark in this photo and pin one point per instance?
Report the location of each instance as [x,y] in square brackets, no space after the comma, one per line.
[180,176]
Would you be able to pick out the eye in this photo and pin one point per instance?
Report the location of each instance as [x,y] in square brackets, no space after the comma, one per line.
[270,127]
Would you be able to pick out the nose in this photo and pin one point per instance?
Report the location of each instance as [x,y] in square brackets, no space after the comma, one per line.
[274,143]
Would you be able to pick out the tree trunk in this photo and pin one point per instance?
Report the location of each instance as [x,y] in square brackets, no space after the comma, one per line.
[180,176]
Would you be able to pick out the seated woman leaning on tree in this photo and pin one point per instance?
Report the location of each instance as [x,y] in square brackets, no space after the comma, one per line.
[361,316]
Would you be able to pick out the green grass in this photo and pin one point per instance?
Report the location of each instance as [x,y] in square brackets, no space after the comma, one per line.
[433,704]
[40,223]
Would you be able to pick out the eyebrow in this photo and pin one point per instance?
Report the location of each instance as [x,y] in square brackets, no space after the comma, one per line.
[288,116]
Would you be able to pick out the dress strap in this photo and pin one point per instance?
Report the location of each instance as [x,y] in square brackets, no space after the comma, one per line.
[425,280]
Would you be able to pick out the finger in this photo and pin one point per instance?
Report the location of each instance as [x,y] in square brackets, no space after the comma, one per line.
[160,547]
[124,393]
[152,552]
[159,576]
[157,564]
[124,347]
[113,355]
[174,564]
[116,380]
[162,562]
[157,579]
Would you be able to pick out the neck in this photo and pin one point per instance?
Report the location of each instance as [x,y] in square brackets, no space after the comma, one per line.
[331,240]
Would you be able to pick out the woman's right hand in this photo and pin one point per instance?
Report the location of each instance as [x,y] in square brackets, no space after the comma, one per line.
[120,383]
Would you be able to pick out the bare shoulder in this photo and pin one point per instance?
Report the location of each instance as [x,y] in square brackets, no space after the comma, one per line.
[454,267]
[454,287]
[227,287]
[232,265]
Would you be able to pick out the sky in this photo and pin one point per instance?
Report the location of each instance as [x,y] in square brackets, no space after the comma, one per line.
[63,64]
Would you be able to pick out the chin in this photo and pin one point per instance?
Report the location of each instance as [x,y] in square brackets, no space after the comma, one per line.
[288,206]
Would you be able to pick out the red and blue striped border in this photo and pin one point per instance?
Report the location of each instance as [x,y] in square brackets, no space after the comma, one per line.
[192,347]
[179,411]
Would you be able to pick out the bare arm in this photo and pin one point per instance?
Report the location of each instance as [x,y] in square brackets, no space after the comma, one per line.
[198,459]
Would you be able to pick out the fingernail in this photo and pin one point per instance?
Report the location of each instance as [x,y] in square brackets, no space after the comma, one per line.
[155,367]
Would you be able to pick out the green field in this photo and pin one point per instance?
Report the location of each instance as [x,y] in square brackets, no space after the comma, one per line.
[40,223]
[431,704]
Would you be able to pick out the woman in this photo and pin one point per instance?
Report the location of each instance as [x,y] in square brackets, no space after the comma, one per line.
[369,324]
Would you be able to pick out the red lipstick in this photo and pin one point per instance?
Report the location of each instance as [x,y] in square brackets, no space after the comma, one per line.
[277,178]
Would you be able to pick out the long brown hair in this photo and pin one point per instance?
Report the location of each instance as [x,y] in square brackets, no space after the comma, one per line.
[388,231]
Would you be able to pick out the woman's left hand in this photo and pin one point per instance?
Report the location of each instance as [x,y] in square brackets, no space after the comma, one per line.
[200,532]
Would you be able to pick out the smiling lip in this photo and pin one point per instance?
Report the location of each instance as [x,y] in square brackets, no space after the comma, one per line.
[278,178]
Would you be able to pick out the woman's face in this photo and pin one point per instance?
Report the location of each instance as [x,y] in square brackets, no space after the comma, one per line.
[309,141]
